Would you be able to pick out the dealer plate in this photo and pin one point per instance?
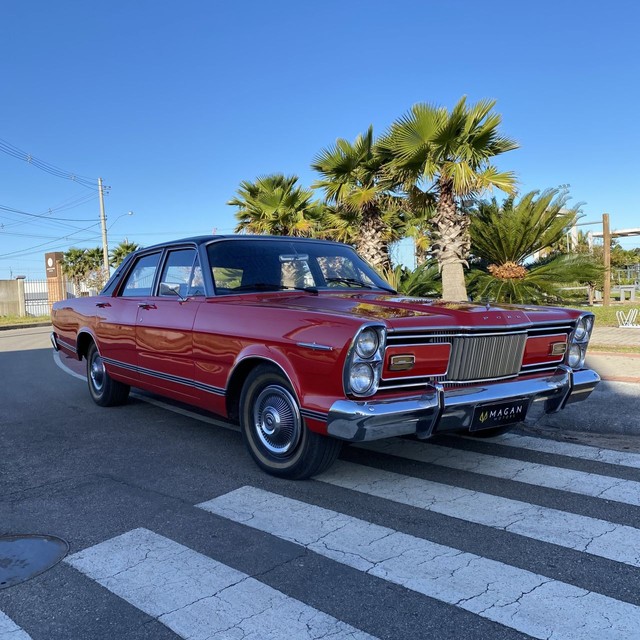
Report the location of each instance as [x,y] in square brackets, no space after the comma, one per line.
[498,414]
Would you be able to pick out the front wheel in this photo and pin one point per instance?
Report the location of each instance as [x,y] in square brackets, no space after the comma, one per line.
[104,390]
[274,431]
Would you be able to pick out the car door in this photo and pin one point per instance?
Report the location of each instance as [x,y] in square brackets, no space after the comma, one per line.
[164,331]
[118,317]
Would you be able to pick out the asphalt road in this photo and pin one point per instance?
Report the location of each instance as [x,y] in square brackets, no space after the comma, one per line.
[173,532]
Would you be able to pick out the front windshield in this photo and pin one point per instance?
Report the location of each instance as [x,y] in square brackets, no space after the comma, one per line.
[245,265]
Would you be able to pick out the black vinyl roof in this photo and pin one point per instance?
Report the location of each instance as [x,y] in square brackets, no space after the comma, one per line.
[200,240]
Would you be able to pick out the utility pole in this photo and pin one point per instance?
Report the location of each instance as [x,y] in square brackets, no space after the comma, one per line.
[606,240]
[103,224]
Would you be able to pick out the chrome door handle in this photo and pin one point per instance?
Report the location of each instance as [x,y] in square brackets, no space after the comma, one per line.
[102,305]
[146,305]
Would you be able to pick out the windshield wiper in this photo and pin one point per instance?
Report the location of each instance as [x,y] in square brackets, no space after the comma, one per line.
[266,286]
[358,283]
[351,282]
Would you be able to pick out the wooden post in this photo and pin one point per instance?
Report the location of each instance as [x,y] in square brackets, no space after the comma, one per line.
[606,240]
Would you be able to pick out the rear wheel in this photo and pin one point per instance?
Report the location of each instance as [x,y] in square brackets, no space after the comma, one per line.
[104,390]
[274,431]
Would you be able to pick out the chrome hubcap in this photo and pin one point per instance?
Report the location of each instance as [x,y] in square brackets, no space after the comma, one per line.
[276,420]
[97,372]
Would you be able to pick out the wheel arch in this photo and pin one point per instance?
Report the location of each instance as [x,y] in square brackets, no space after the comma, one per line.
[83,342]
[239,374]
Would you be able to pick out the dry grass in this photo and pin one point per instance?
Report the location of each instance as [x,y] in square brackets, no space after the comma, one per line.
[11,320]
[606,316]
[610,348]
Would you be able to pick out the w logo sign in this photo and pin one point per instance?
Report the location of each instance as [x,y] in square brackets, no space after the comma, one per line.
[628,319]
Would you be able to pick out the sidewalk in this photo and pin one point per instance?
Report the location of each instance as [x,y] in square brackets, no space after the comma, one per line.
[617,367]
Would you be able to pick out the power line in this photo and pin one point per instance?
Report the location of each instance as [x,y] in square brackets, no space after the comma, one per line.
[30,250]
[48,217]
[15,152]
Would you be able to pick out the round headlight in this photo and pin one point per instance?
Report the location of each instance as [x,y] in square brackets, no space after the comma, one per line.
[581,329]
[367,343]
[574,360]
[361,377]
[588,323]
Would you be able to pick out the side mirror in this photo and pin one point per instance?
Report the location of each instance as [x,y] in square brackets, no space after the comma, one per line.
[170,289]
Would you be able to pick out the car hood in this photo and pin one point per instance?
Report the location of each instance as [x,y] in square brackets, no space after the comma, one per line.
[400,312]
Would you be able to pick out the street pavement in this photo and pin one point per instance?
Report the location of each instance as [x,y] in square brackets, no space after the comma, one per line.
[174,533]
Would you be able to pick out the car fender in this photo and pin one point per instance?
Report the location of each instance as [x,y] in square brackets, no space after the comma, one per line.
[269,355]
[84,334]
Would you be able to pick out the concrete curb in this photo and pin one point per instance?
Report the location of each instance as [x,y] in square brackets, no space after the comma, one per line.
[27,325]
[628,379]
[614,354]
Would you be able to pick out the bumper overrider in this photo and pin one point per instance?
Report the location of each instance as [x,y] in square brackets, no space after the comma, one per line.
[437,409]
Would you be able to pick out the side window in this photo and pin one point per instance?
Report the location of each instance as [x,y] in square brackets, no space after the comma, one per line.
[239,266]
[140,280]
[183,268]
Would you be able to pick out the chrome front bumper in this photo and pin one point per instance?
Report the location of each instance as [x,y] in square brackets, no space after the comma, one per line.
[438,409]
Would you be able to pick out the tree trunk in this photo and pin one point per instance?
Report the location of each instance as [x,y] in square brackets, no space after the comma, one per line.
[421,252]
[453,286]
[451,243]
[371,243]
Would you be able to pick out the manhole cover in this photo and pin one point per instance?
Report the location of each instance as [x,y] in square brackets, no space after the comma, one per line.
[25,556]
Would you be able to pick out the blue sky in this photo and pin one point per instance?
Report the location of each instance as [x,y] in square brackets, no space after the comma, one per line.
[174,103]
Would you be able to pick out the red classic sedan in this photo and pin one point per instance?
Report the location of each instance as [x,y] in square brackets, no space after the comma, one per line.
[305,346]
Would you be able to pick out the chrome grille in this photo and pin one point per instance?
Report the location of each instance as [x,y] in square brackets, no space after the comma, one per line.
[490,355]
[484,357]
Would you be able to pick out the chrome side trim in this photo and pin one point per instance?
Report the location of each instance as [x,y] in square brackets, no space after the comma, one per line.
[438,409]
[313,415]
[315,346]
[187,382]
[66,344]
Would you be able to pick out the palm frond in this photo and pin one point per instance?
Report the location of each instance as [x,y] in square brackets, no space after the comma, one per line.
[275,204]
[513,232]
[542,284]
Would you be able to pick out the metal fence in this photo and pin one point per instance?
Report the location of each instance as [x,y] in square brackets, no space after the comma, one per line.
[36,297]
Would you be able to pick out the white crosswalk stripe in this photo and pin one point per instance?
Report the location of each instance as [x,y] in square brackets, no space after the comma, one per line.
[199,598]
[530,603]
[597,537]
[569,449]
[540,475]
[9,630]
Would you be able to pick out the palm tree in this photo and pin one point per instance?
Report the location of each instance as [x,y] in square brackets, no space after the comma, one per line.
[74,266]
[96,275]
[122,251]
[421,207]
[362,208]
[506,236]
[275,205]
[449,154]
[422,281]
[94,258]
